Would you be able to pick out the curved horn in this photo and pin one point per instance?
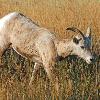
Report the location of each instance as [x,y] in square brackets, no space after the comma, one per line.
[74,29]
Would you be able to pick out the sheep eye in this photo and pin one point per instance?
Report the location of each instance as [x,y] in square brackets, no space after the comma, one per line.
[82,47]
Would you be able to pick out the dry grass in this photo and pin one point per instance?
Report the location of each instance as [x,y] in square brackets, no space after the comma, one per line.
[78,81]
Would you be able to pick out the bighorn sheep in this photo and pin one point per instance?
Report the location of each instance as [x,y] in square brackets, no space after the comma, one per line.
[39,44]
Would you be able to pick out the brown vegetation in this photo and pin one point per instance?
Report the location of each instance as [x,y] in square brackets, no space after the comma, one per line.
[78,81]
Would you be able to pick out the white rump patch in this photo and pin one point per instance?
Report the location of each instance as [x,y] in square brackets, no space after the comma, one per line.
[6,19]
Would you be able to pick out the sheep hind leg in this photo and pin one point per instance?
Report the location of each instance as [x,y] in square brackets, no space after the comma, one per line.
[36,68]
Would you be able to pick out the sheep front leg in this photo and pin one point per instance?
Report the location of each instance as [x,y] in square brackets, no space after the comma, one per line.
[52,76]
[36,68]
[47,51]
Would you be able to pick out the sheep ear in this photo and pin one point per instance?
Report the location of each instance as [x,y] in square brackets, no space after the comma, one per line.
[88,33]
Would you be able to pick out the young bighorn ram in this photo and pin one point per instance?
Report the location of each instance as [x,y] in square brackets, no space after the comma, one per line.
[39,44]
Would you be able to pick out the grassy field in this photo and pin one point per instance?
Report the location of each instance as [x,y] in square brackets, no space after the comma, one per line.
[78,81]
